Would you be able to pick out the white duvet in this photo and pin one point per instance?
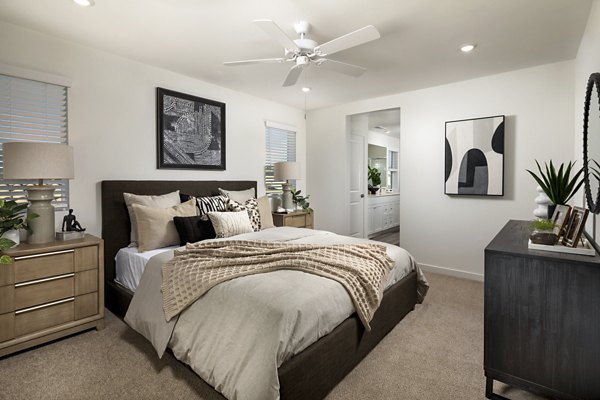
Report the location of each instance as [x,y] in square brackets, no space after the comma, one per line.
[238,334]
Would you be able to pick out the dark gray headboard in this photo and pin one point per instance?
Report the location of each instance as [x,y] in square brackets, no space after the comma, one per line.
[115,218]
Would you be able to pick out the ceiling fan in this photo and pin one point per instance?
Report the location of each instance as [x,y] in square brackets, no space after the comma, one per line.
[303,52]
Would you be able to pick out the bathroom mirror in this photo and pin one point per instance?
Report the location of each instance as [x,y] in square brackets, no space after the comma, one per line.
[591,143]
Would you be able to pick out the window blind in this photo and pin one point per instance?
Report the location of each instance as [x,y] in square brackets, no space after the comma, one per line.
[32,111]
[280,146]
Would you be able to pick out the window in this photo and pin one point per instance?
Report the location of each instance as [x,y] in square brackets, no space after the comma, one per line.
[32,111]
[280,146]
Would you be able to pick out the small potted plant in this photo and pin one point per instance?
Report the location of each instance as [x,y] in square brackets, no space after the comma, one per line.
[375,177]
[543,232]
[301,201]
[559,186]
[12,219]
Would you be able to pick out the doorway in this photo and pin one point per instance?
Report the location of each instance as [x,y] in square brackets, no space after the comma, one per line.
[373,140]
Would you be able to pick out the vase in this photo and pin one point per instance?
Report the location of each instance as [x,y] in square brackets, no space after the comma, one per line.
[542,201]
[551,208]
[12,235]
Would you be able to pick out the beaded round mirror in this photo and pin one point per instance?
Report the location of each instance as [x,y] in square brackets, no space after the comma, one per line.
[591,143]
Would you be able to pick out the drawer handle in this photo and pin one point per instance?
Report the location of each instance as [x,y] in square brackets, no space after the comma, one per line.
[44,305]
[45,254]
[52,278]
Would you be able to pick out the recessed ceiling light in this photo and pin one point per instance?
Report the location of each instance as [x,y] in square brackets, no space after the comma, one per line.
[85,3]
[467,48]
[306,89]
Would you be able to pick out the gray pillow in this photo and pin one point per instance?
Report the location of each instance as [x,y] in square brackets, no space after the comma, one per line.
[241,196]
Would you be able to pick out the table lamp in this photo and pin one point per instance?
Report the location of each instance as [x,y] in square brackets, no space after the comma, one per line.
[31,160]
[287,171]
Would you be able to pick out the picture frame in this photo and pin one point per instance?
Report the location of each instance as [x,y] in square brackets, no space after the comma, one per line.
[561,219]
[190,131]
[474,157]
[575,226]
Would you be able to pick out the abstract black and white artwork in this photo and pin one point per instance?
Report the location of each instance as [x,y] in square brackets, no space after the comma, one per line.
[475,157]
[191,131]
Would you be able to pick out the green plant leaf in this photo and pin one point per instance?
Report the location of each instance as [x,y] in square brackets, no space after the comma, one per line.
[4,259]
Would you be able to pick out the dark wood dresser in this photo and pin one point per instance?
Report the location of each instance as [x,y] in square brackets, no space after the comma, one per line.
[542,318]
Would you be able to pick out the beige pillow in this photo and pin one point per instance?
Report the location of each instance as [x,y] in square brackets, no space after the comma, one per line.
[155,226]
[228,224]
[241,196]
[162,201]
[264,209]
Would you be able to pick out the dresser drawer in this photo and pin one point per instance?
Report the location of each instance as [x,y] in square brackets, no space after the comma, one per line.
[29,268]
[36,319]
[34,293]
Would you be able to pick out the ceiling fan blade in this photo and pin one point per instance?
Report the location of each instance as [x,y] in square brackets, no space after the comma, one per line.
[344,68]
[363,35]
[258,61]
[293,76]
[276,33]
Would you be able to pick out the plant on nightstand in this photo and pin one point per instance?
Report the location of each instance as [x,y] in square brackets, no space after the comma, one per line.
[12,219]
[301,201]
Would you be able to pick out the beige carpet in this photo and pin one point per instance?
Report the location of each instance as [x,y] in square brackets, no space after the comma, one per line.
[436,352]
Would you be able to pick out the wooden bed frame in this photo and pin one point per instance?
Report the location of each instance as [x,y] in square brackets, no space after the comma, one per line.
[312,373]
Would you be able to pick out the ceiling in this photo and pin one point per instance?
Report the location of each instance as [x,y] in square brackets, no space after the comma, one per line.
[419,45]
[387,119]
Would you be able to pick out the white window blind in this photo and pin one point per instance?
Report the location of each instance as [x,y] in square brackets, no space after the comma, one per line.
[32,111]
[281,146]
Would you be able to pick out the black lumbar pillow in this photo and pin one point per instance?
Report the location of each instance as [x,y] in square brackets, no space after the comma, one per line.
[193,229]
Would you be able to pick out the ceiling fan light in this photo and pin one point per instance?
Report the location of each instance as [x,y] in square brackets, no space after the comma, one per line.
[306,89]
[85,3]
[467,48]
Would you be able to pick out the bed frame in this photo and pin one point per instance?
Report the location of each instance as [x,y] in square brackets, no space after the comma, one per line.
[312,373]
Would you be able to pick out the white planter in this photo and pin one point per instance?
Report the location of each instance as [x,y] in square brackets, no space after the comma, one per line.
[13,235]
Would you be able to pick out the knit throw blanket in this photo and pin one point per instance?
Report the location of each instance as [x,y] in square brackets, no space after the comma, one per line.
[361,268]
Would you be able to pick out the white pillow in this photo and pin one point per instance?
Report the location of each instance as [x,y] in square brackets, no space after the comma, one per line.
[264,209]
[241,196]
[155,226]
[228,224]
[162,201]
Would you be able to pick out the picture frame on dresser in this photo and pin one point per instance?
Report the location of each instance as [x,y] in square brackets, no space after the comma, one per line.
[190,131]
[575,226]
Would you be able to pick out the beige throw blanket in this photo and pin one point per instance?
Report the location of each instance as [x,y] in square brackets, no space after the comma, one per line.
[361,268]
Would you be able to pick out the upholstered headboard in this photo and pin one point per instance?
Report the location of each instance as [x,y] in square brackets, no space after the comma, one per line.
[116,224]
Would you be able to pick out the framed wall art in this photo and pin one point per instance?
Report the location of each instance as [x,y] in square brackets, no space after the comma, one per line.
[190,131]
[474,157]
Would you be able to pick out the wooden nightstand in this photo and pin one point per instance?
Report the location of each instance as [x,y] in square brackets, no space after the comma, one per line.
[51,290]
[298,219]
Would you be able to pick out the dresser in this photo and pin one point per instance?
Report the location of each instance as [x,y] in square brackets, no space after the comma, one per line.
[542,318]
[50,290]
[297,219]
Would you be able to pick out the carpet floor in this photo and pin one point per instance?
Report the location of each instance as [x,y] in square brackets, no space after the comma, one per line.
[436,352]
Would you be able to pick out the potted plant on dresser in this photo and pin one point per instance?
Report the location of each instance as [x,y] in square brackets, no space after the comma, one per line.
[12,219]
[559,185]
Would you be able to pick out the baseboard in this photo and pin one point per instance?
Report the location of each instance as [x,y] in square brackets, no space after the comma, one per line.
[452,272]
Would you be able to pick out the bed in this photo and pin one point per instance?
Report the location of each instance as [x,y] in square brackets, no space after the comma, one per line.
[314,371]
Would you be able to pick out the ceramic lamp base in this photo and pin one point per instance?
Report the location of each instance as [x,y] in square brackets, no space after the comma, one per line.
[40,202]
[287,199]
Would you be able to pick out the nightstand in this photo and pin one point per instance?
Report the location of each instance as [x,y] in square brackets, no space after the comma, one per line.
[297,219]
[51,290]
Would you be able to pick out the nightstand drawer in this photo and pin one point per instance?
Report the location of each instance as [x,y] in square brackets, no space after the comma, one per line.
[29,268]
[7,299]
[7,274]
[47,290]
[7,326]
[86,258]
[86,282]
[44,316]
[86,305]
[298,221]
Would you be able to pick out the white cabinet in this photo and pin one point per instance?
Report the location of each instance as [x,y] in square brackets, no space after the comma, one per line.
[384,212]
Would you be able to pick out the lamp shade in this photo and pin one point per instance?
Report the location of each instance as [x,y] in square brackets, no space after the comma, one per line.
[285,171]
[30,160]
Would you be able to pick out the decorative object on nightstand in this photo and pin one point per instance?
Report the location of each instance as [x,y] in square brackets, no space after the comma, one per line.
[12,219]
[543,201]
[287,171]
[71,228]
[297,219]
[301,201]
[31,160]
[543,232]
[50,291]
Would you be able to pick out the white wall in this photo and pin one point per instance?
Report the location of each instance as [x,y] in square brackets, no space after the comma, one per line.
[112,117]
[440,230]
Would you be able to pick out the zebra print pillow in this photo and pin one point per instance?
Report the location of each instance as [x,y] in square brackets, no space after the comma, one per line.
[209,204]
